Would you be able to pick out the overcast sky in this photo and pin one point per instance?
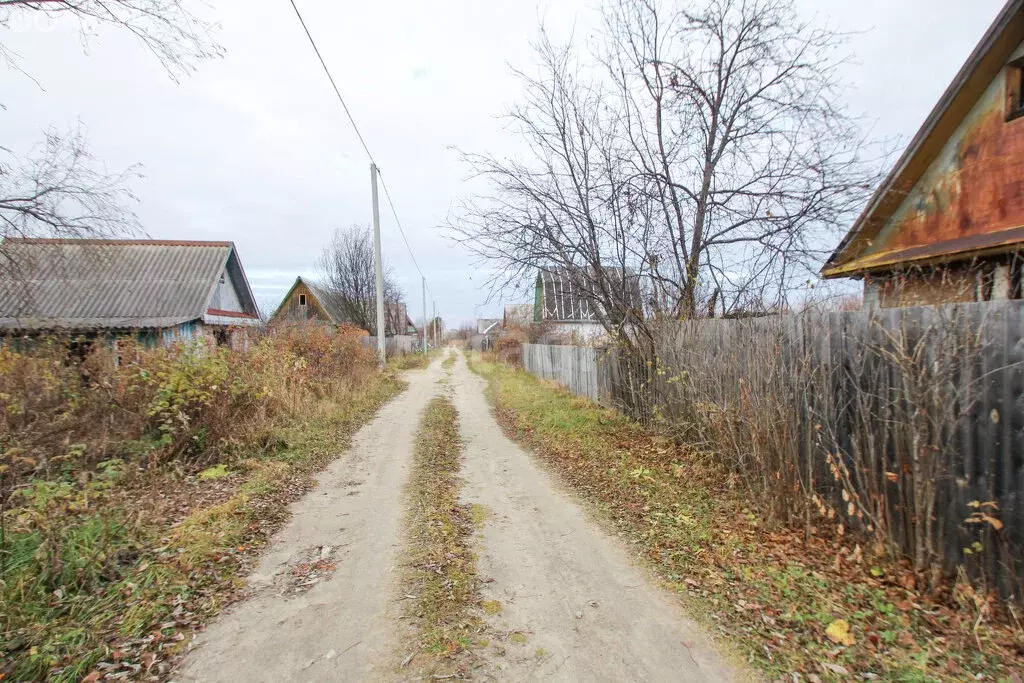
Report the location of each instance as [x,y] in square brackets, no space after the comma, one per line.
[255,148]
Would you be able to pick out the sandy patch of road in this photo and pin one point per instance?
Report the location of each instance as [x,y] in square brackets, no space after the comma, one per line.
[324,604]
[573,606]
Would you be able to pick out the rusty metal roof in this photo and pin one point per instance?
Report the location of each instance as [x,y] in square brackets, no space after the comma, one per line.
[89,284]
[984,64]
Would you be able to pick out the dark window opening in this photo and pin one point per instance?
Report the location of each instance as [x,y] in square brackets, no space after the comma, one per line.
[221,337]
[302,299]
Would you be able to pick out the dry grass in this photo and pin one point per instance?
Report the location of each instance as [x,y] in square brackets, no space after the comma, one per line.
[109,567]
[778,597]
[409,361]
[441,566]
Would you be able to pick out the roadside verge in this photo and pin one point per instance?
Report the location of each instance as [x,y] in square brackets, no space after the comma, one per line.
[817,609]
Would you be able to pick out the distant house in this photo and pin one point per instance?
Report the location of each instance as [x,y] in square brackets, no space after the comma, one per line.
[487,325]
[158,290]
[947,225]
[308,301]
[518,316]
[568,312]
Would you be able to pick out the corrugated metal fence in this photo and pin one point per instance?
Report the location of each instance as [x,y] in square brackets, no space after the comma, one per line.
[925,406]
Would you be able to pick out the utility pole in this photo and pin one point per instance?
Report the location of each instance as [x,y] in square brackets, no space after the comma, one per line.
[378,268]
[433,321]
[424,313]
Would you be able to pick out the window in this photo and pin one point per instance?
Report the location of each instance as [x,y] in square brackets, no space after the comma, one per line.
[302,299]
[1015,90]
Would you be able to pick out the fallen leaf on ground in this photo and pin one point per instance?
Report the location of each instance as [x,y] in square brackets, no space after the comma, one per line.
[839,632]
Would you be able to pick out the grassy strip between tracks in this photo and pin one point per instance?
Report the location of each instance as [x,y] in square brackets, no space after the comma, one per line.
[441,584]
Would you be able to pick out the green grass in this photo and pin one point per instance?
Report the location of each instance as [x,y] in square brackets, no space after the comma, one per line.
[767,590]
[441,565]
[92,574]
[449,361]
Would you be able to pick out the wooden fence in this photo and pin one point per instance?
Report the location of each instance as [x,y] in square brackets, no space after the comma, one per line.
[906,422]
[583,370]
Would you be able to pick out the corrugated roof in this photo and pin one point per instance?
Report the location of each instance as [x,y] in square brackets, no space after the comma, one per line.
[565,298]
[83,284]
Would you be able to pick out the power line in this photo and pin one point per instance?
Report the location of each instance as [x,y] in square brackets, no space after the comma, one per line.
[331,78]
[362,141]
[394,212]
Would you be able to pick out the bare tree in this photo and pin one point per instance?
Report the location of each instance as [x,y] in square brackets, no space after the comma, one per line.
[703,148]
[59,189]
[346,270]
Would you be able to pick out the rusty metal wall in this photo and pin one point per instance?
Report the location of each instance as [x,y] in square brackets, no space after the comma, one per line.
[975,188]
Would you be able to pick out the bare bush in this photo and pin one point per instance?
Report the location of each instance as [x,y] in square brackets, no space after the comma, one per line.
[63,411]
[861,422]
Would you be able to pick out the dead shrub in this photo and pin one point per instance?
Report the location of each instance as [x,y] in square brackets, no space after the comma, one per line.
[192,404]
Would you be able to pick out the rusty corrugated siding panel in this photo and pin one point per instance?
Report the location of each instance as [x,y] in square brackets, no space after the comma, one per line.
[82,284]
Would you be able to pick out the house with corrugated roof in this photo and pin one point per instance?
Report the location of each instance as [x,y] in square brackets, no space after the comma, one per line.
[568,308]
[160,291]
[947,224]
[310,302]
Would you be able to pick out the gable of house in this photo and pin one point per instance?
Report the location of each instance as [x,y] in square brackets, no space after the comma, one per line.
[67,284]
[563,298]
[306,302]
[309,301]
[958,190]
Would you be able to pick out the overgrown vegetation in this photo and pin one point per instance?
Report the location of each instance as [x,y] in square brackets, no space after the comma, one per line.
[857,422]
[137,492]
[409,361]
[441,577]
[800,607]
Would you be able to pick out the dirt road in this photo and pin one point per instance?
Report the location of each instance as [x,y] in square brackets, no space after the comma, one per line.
[339,629]
[572,604]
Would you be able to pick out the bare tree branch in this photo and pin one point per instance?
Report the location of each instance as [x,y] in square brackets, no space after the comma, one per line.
[169,29]
[346,270]
[704,148]
[59,190]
